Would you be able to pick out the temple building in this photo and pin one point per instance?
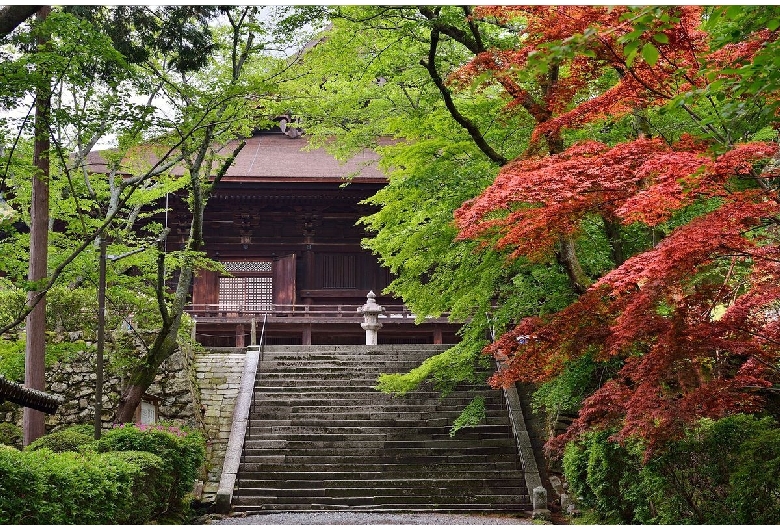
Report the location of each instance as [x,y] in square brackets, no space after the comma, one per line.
[283,224]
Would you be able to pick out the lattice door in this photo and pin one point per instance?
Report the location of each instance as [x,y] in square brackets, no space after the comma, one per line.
[246,293]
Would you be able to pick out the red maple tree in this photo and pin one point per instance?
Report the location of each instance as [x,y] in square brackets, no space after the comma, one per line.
[694,320]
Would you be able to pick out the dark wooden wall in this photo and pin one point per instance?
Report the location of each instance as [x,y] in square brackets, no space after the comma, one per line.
[308,230]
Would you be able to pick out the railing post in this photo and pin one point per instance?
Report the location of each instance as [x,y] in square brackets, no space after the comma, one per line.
[371,324]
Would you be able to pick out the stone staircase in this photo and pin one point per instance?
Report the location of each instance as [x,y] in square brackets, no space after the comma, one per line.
[320,437]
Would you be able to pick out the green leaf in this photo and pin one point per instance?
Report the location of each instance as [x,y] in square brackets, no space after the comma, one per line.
[773,24]
[661,38]
[650,54]
[632,36]
[733,12]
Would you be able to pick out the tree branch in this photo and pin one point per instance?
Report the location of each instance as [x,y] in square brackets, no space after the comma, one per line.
[464,122]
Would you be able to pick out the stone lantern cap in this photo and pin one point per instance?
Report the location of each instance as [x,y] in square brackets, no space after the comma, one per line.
[370,307]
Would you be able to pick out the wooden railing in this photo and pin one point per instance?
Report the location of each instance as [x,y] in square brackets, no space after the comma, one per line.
[296,310]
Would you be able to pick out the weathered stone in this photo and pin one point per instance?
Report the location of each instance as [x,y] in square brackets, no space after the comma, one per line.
[557,484]
[539,501]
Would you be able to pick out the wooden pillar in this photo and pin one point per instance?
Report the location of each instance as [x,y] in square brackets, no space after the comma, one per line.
[240,336]
[34,422]
[306,335]
[437,338]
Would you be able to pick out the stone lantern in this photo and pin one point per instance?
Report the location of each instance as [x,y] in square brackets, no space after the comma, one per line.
[371,324]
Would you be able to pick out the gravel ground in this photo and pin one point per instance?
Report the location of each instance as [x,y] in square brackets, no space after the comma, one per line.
[370,518]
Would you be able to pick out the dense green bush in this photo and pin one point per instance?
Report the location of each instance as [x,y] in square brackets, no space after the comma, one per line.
[722,472]
[11,435]
[600,474]
[44,487]
[182,452]
[133,475]
[75,438]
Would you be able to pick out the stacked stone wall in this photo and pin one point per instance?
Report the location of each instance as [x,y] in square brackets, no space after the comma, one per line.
[197,390]
[219,378]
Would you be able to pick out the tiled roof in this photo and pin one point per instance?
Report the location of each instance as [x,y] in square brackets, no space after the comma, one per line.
[269,157]
[276,156]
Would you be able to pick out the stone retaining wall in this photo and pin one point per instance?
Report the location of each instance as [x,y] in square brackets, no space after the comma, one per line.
[74,381]
[218,374]
[196,390]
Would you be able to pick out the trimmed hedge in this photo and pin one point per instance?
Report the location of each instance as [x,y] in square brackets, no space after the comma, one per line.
[133,475]
[183,454]
[71,439]
[44,487]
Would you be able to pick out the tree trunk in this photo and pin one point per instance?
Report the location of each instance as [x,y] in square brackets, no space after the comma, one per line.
[567,257]
[612,229]
[34,425]
[143,376]
[12,16]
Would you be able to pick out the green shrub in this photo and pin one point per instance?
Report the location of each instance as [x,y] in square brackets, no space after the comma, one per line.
[71,439]
[11,435]
[139,474]
[19,495]
[12,356]
[755,483]
[12,359]
[722,472]
[601,474]
[44,487]
[708,478]
[182,452]
[148,489]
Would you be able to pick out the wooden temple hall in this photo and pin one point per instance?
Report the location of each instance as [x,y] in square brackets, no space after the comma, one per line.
[283,225]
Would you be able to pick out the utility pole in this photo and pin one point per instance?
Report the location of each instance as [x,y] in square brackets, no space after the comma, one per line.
[101,338]
[101,327]
[34,425]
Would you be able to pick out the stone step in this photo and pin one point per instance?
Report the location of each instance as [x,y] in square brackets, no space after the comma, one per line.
[379,495]
[438,421]
[370,395]
[507,484]
[374,453]
[377,456]
[367,359]
[365,392]
[388,473]
[522,508]
[355,413]
[379,441]
[352,433]
[492,419]
[369,398]
[341,379]
[409,431]
[443,469]
[301,461]
[311,367]
[356,362]
[444,499]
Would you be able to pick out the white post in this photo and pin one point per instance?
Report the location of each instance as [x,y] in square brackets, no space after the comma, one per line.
[371,324]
